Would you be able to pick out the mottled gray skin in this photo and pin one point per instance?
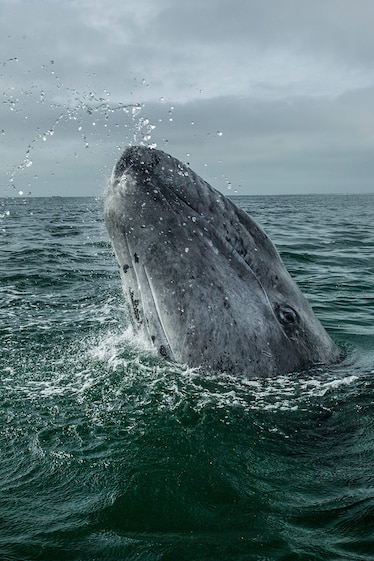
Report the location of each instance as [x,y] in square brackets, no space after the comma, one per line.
[204,283]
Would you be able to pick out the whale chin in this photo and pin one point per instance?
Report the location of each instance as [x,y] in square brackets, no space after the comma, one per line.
[203,282]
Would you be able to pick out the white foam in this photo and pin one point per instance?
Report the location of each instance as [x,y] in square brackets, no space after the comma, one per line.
[116,368]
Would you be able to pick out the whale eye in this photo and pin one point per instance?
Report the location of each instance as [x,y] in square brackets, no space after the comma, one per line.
[287,315]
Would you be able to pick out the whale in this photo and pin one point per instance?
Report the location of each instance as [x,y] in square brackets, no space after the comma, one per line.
[204,284]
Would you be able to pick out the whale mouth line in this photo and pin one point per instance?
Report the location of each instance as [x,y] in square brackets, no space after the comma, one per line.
[142,302]
[165,348]
[145,296]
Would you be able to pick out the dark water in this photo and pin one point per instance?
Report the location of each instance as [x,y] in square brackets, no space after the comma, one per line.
[107,453]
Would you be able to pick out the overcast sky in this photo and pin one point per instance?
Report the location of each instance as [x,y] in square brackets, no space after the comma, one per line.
[259,96]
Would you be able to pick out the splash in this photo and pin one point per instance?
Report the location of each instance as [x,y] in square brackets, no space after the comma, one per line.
[90,118]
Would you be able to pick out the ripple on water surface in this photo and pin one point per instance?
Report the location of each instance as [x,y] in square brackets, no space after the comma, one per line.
[110,453]
[110,450]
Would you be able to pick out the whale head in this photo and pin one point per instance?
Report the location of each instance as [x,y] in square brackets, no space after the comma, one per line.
[204,283]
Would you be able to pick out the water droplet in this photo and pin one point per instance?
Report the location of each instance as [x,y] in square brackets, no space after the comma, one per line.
[135,110]
[219,133]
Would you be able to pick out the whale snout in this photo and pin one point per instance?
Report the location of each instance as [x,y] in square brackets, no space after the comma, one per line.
[137,161]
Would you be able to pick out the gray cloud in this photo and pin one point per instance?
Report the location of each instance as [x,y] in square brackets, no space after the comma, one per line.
[289,85]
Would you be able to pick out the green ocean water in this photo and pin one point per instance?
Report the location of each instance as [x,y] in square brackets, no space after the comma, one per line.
[110,453]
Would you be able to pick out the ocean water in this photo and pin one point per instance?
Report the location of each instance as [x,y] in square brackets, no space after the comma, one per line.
[110,453]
